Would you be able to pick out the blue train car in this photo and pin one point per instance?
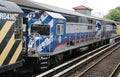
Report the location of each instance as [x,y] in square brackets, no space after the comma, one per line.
[50,36]
[49,32]
[46,34]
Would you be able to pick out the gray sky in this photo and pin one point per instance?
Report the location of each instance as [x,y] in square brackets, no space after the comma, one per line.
[101,7]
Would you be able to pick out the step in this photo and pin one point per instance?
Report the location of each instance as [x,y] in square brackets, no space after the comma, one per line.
[44,58]
[44,62]
[43,67]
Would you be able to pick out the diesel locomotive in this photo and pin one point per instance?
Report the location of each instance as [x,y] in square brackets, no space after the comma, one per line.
[10,36]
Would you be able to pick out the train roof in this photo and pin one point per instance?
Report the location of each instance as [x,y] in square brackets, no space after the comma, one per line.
[41,6]
[32,4]
[9,6]
[55,15]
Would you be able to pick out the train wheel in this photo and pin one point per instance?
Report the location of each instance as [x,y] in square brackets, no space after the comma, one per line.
[59,58]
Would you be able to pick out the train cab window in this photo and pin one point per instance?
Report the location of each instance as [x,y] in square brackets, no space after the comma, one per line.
[40,29]
[18,28]
[60,29]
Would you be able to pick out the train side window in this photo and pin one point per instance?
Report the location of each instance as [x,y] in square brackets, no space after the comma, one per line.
[18,28]
[60,29]
[89,27]
[90,21]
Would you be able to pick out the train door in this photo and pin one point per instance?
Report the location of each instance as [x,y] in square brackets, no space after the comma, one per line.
[103,33]
[114,28]
[25,35]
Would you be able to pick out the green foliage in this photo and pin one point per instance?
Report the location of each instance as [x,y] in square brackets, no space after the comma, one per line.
[113,14]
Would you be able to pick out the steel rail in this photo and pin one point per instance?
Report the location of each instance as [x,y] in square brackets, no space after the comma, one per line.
[98,61]
[65,72]
[115,70]
[66,65]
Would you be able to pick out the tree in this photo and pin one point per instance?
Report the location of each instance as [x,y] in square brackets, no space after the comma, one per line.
[114,14]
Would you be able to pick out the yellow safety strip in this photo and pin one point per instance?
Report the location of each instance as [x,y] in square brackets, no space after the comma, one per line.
[7,49]
[16,54]
[5,30]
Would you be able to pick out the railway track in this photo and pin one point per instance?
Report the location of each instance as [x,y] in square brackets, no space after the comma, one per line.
[116,72]
[106,66]
[72,66]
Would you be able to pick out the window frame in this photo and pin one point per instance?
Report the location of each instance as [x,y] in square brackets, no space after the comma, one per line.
[41,26]
[61,29]
[18,28]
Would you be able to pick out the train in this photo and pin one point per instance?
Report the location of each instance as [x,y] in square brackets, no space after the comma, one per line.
[10,36]
[51,37]
[37,38]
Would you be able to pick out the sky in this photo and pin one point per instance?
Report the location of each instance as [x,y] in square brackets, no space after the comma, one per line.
[100,7]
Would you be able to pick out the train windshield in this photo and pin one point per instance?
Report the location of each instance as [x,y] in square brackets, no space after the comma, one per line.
[41,29]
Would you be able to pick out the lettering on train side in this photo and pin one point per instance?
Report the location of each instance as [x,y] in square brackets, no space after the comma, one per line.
[7,16]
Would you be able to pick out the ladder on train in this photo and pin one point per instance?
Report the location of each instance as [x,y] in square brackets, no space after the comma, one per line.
[44,62]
